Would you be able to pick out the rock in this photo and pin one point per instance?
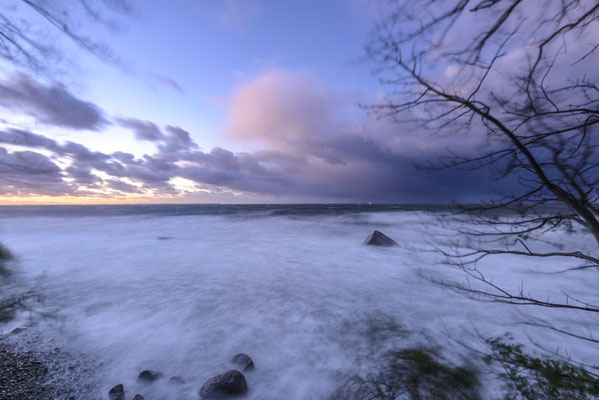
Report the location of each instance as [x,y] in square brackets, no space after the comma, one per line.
[149,376]
[117,393]
[5,254]
[16,331]
[243,361]
[138,397]
[231,383]
[377,238]
[176,380]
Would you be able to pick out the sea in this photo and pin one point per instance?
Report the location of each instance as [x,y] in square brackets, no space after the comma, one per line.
[181,289]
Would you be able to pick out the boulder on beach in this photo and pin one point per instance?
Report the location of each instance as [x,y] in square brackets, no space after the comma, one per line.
[117,393]
[17,330]
[229,384]
[378,238]
[149,376]
[5,254]
[176,380]
[243,361]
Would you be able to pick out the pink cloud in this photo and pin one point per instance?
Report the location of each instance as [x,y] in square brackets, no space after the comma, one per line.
[281,109]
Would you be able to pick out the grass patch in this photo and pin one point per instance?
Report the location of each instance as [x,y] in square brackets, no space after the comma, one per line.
[5,254]
[534,378]
[414,373]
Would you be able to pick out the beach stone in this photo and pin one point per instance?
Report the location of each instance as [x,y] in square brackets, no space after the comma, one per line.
[149,376]
[243,361]
[230,383]
[176,380]
[138,397]
[5,254]
[117,393]
[378,238]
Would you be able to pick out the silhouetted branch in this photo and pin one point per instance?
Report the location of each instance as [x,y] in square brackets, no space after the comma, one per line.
[35,49]
[534,117]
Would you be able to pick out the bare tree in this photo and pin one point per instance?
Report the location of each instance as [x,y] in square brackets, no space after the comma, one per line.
[30,29]
[519,80]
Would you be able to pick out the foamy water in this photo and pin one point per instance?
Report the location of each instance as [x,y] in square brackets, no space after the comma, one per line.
[301,295]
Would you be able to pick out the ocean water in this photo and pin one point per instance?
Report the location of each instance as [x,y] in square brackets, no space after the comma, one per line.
[181,289]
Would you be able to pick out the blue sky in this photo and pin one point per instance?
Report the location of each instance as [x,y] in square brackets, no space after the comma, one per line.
[182,63]
[209,48]
[240,101]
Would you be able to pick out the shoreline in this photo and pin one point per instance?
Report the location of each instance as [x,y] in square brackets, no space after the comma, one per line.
[31,369]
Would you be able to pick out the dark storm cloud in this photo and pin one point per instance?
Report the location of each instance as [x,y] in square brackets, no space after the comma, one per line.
[52,104]
[309,154]
[391,180]
[345,148]
[237,178]
[345,167]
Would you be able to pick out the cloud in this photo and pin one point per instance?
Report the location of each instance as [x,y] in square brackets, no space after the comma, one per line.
[239,14]
[51,104]
[19,137]
[143,130]
[121,186]
[363,177]
[165,80]
[280,109]
[294,112]
[82,153]
[342,156]
[32,171]
[175,139]
[23,163]
[28,172]
[312,148]
[82,174]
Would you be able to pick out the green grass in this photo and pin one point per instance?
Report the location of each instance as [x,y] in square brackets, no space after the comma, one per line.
[413,373]
[5,254]
[534,378]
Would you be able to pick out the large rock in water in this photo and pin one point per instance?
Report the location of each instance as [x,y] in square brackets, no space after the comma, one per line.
[149,376]
[377,238]
[117,393]
[231,383]
[244,361]
[176,380]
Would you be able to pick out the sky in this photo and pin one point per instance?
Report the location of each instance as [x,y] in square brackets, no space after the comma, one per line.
[206,101]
